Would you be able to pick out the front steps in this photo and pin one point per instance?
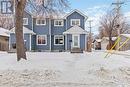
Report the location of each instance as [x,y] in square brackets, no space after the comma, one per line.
[76,50]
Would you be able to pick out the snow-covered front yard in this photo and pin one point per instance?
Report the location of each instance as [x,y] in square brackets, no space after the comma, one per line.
[45,69]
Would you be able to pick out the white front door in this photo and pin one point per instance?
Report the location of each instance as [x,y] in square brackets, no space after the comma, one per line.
[76,40]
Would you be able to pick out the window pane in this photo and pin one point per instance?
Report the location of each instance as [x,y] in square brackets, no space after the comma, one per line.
[41,40]
[59,40]
[42,21]
[25,21]
[56,41]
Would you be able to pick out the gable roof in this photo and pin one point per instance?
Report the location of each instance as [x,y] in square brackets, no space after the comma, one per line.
[25,30]
[77,12]
[4,32]
[75,30]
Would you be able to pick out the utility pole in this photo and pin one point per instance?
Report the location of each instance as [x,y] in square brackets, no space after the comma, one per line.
[118,4]
[89,45]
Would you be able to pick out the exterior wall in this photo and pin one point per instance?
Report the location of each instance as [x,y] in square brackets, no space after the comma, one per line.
[44,47]
[4,42]
[82,42]
[26,40]
[41,29]
[27,15]
[56,30]
[69,38]
[75,15]
[126,46]
[57,47]
[33,42]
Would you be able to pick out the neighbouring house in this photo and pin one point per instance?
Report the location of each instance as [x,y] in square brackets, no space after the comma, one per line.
[44,34]
[4,39]
[126,46]
[101,44]
[97,44]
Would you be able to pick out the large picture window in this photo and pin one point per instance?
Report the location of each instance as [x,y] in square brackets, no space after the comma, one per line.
[41,21]
[75,22]
[41,40]
[58,39]
[58,23]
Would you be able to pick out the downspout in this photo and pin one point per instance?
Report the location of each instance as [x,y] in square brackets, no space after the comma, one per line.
[50,32]
[66,37]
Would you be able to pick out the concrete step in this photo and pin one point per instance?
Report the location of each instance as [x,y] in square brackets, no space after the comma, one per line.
[76,50]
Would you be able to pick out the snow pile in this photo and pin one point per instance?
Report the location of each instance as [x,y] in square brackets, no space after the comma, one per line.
[65,70]
[4,32]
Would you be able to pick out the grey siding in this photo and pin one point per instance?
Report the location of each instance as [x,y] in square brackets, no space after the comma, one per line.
[27,15]
[26,37]
[69,37]
[33,41]
[44,47]
[82,41]
[76,15]
[57,29]
[41,29]
[57,47]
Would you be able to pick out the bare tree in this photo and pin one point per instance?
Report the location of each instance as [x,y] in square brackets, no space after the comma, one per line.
[41,7]
[110,23]
[6,21]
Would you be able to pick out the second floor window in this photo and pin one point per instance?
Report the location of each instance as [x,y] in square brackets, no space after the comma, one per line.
[58,23]
[41,21]
[25,21]
[75,22]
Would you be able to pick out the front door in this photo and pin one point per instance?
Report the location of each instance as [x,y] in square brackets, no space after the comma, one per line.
[76,41]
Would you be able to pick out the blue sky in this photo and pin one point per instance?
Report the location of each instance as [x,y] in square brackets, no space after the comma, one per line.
[94,9]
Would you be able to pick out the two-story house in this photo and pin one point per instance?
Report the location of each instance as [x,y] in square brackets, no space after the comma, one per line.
[45,34]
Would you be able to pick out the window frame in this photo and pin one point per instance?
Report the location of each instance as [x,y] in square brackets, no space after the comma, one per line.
[75,21]
[40,19]
[45,39]
[58,38]
[58,21]
[27,21]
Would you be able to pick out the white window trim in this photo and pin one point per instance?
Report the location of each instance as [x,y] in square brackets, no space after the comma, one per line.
[58,20]
[78,41]
[45,38]
[27,21]
[40,24]
[56,36]
[75,20]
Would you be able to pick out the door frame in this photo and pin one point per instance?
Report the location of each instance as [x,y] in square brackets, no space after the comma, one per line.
[78,40]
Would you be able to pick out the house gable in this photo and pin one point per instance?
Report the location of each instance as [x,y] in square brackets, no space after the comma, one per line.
[75,15]
[29,17]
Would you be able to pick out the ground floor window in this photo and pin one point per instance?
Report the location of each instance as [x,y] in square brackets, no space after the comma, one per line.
[58,39]
[41,39]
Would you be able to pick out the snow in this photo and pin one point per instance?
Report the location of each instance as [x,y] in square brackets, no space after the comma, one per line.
[126,35]
[98,40]
[107,38]
[25,30]
[75,30]
[4,32]
[62,69]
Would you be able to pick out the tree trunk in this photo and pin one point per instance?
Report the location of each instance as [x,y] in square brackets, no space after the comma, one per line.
[111,43]
[19,11]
